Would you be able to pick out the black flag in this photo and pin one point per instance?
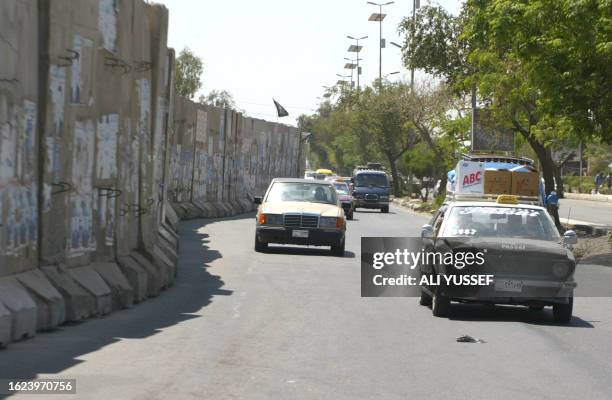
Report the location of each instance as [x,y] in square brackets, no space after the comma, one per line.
[280,110]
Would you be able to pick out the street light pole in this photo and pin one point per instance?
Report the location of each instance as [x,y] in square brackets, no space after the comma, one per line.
[356,49]
[379,17]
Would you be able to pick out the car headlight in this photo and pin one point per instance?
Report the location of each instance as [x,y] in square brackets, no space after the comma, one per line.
[331,222]
[270,219]
[560,269]
[274,219]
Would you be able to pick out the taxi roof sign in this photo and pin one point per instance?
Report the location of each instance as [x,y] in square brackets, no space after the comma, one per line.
[507,199]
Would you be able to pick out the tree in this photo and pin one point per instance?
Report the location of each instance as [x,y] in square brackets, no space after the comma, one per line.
[563,49]
[219,98]
[188,70]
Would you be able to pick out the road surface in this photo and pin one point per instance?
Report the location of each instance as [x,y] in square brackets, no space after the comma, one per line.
[292,325]
[597,212]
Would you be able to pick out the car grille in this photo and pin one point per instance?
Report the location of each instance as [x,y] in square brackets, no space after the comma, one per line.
[371,197]
[301,221]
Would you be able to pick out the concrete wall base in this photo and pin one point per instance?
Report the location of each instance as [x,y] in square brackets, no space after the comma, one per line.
[224,210]
[172,217]
[121,291]
[49,302]
[247,205]
[24,313]
[91,281]
[5,326]
[156,280]
[80,304]
[164,264]
[135,275]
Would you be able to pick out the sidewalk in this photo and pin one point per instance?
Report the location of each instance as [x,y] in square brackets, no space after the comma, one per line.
[590,197]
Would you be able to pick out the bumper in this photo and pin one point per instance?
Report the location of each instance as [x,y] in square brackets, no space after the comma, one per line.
[362,203]
[532,292]
[316,237]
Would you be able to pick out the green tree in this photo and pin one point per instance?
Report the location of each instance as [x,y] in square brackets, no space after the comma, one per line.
[188,70]
[219,98]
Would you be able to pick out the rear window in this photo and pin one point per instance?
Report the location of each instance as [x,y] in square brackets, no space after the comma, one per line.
[510,222]
[379,180]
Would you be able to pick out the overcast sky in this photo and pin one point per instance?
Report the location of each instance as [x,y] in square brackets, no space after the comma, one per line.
[286,49]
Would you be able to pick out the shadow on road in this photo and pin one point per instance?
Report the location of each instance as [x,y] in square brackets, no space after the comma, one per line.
[194,289]
[503,313]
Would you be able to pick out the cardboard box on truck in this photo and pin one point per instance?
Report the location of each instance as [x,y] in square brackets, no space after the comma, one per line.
[497,182]
[525,183]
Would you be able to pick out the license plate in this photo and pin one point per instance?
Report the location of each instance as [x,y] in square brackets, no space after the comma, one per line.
[299,233]
[508,285]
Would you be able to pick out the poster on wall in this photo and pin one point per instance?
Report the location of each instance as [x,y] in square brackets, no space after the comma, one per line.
[106,137]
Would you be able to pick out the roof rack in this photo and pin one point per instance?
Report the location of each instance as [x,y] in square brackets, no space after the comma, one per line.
[498,158]
[452,196]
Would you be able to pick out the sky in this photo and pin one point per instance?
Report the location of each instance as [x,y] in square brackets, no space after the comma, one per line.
[285,49]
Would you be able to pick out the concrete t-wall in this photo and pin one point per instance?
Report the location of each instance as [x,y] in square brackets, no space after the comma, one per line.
[99,159]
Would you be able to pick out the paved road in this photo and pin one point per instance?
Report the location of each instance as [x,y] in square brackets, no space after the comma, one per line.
[292,325]
[584,210]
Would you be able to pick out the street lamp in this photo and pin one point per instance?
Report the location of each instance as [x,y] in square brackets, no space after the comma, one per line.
[355,48]
[352,64]
[379,17]
[345,77]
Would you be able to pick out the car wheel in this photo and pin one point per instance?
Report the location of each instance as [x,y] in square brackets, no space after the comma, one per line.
[338,250]
[440,305]
[425,299]
[536,308]
[563,312]
[385,209]
[260,247]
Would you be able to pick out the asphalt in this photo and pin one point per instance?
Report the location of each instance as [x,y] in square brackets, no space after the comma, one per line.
[291,325]
[597,212]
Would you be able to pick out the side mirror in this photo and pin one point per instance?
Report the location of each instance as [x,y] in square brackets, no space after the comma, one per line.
[570,238]
[257,200]
[427,231]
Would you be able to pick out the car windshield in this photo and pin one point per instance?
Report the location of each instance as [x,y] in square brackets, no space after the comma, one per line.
[298,191]
[379,180]
[507,222]
[341,188]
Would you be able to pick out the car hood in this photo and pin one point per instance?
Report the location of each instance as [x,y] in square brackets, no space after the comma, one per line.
[326,210]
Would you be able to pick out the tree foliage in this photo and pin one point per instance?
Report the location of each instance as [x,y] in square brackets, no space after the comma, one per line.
[188,70]
[219,98]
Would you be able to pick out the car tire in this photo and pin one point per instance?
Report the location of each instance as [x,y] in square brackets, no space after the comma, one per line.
[384,209]
[563,312]
[440,305]
[260,247]
[536,308]
[338,250]
[425,299]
